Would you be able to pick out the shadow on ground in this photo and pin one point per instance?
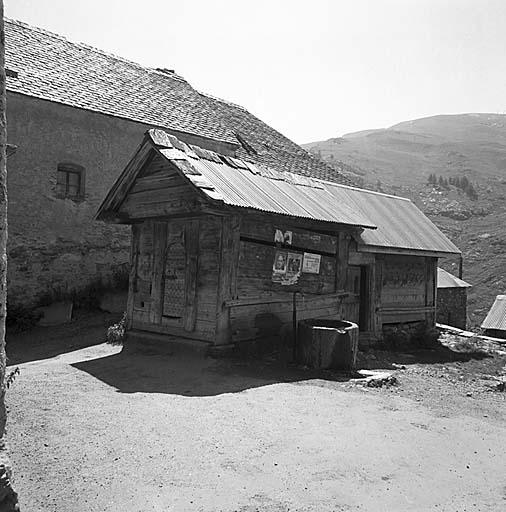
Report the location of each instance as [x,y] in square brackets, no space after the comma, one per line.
[192,374]
[45,342]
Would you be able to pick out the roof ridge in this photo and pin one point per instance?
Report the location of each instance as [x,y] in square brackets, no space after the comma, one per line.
[227,102]
[335,184]
[92,48]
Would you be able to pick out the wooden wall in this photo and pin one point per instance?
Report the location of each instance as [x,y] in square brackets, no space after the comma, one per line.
[408,289]
[262,306]
[159,191]
[174,279]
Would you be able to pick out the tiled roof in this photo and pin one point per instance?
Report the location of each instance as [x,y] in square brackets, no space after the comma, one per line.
[447,280]
[496,318]
[262,144]
[50,67]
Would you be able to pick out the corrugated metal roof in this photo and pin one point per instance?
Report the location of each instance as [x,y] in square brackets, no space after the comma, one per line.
[392,223]
[447,280]
[401,225]
[264,189]
[262,144]
[496,318]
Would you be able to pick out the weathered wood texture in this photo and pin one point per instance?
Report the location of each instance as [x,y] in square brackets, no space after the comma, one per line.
[175,279]
[262,307]
[159,191]
[408,289]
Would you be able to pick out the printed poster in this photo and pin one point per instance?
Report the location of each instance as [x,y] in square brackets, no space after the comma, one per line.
[311,263]
[286,268]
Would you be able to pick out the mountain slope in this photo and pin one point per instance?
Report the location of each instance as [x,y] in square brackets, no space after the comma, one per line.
[400,160]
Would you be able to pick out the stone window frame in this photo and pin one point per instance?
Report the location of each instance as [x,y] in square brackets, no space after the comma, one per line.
[64,171]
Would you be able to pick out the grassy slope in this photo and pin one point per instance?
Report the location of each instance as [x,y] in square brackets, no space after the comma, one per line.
[399,160]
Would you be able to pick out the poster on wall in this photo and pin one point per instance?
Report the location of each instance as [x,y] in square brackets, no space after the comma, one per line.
[286,268]
[311,263]
[279,266]
[283,238]
[293,269]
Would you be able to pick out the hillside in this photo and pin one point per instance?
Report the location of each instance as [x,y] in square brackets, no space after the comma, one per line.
[454,148]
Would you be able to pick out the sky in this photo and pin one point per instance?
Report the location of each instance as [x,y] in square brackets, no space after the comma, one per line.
[311,69]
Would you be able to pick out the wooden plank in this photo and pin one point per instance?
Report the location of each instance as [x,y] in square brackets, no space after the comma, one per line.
[376,324]
[197,334]
[121,187]
[230,233]
[192,256]
[134,252]
[183,205]
[342,257]
[159,244]
[281,298]
[309,241]
[155,183]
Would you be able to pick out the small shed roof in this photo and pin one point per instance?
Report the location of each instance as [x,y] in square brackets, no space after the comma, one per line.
[496,317]
[447,280]
[239,183]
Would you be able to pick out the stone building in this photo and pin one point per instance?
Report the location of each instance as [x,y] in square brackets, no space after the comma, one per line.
[77,115]
[451,299]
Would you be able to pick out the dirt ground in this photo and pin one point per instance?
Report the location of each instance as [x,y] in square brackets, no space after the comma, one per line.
[92,428]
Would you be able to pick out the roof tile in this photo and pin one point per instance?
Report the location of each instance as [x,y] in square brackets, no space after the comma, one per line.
[52,68]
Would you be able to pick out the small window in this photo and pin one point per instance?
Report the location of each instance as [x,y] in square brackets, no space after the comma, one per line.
[70,181]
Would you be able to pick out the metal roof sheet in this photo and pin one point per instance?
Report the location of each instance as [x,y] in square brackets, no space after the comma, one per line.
[447,280]
[496,318]
[395,221]
[401,225]
[262,144]
[268,190]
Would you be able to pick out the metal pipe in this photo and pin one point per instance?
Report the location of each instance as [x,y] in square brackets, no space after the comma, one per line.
[461,265]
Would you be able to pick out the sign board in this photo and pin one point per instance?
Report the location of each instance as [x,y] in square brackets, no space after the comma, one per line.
[311,263]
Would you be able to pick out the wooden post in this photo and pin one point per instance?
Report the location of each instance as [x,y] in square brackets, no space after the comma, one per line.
[227,284]
[343,251]
[159,247]
[192,258]
[376,292]
[132,281]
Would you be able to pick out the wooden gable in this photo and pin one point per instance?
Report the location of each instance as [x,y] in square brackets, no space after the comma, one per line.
[159,190]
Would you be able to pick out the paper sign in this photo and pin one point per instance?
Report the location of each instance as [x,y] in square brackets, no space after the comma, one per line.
[311,263]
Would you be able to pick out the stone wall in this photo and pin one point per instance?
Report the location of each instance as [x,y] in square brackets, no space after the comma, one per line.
[452,307]
[54,244]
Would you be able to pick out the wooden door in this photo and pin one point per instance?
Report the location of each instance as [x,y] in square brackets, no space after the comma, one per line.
[174,275]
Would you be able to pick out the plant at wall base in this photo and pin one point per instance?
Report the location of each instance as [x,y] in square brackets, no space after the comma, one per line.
[396,336]
[21,318]
[426,336]
[9,379]
[116,332]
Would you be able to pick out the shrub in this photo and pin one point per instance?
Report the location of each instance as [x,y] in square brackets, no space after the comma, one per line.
[21,318]
[426,336]
[116,332]
[396,336]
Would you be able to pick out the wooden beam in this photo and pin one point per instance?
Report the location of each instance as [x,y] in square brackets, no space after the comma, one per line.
[192,231]
[132,281]
[159,248]
[227,283]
